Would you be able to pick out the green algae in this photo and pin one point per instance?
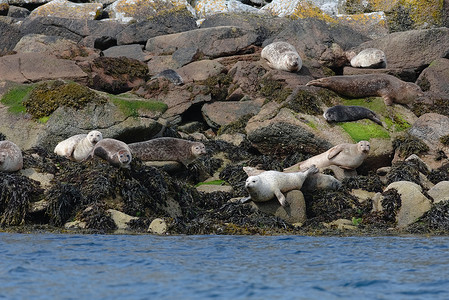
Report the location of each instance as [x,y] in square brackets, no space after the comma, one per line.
[213,182]
[14,98]
[131,107]
[46,97]
[363,131]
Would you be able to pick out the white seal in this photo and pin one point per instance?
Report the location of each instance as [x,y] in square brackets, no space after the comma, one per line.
[270,184]
[79,146]
[282,56]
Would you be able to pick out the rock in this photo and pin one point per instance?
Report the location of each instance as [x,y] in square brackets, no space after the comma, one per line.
[75,225]
[210,188]
[293,212]
[158,226]
[414,203]
[236,139]
[162,24]
[116,75]
[373,25]
[363,195]
[39,206]
[341,224]
[430,128]
[69,10]
[18,12]
[200,70]
[8,41]
[205,8]
[121,219]
[133,51]
[32,67]
[43,178]
[414,49]
[439,192]
[83,31]
[53,45]
[211,42]
[4,7]
[220,113]
[435,78]
[380,155]
[128,11]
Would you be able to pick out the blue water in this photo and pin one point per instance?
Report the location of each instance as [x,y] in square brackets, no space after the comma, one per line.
[49,266]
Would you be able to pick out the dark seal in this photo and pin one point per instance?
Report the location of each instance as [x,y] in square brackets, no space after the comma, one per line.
[347,113]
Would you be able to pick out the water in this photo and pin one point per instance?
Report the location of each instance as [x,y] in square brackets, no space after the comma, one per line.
[48,266]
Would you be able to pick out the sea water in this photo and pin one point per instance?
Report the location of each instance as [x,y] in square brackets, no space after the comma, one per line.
[63,266]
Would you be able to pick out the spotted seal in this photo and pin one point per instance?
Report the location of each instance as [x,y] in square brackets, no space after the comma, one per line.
[282,56]
[369,58]
[390,88]
[11,158]
[346,156]
[345,113]
[270,184]
[168,148]
[78,147]
[116,152]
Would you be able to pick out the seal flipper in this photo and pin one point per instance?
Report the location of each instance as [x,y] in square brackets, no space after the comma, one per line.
[245,199]
[334,151]
[100,152]
[280,196]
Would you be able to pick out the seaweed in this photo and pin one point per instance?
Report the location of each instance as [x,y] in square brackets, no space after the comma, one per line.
[408,145]
[403,171]
[370,183]
[98,219]
[64,199]
[391,203]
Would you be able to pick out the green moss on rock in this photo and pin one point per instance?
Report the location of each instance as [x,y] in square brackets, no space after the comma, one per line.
[131,107]
[274,90]
[14,98]
[46,97]
[305,102]
[364,131]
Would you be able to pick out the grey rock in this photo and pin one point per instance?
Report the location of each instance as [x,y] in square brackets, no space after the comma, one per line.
[133,51]
[435,78]
[220,113]
[439,192]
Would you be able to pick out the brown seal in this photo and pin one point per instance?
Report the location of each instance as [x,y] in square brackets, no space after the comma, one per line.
[345,156]
[11,158]
[168,149]
[390,88]
[116,152]
[269,184]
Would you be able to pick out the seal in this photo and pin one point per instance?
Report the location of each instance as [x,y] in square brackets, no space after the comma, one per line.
[171,75]
[78,147]
[346,113]
[369,58]
[168,148]
[312,183]
[11,158]
[390,88]
[270,184]
[346,156]
[282,56]
[116,152]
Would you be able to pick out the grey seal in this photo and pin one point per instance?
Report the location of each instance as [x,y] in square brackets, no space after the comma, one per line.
[168,149]
[282,56]
[369,58]
[116,152]
[11,158]
[345,113]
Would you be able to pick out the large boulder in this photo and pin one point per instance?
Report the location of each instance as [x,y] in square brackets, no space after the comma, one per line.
[413,203]
[414,49]
[33,67]
[205,8]
[8,41]
[435,78]
[211,42]
[222,113]
[69,10]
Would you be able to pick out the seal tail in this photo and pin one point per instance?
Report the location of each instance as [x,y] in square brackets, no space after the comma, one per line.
[316,82]
[376,119]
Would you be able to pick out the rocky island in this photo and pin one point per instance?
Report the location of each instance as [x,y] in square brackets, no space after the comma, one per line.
[193,70]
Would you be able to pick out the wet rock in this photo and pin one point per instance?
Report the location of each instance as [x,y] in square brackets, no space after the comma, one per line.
[439,192]
[293,212]
[158,226]
[413,203]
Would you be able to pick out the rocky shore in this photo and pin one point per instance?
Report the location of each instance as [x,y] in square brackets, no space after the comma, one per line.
[69,68]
